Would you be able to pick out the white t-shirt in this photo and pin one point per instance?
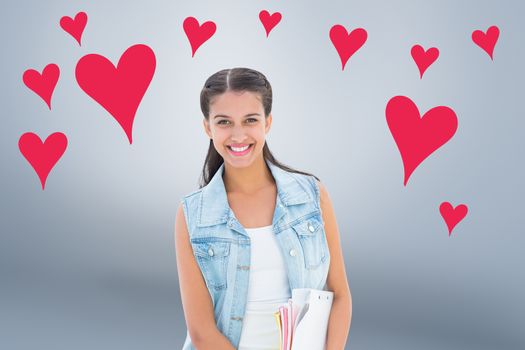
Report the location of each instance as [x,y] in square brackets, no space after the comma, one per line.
[268,289]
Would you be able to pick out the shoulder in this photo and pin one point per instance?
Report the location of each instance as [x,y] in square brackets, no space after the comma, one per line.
[191,197]
[312,185]
[318,188]
[324,198]
[307,184]
[321,187]
[191,194]
[187,204]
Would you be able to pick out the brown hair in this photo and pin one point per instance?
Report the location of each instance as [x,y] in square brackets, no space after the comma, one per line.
[237,80]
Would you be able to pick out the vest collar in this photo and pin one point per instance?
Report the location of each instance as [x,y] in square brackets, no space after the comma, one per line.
[214,207]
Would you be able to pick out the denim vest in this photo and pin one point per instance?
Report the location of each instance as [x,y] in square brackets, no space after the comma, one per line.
[221,246]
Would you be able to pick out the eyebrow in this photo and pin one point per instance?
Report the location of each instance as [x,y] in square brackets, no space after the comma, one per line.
[225,116]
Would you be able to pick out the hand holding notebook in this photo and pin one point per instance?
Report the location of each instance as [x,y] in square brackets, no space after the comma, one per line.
[303,321]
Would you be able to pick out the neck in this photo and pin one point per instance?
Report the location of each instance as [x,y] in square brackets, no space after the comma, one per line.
[247,180]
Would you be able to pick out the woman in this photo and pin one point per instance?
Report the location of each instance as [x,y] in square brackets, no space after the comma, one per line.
[254,230]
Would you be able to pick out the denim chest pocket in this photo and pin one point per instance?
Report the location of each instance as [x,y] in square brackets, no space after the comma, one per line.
[212,257]
[311,236]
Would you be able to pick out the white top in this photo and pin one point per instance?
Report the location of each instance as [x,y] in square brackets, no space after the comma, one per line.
[268,289]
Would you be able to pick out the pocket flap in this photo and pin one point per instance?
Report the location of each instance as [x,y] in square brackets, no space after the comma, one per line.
[211,250]
[308,227]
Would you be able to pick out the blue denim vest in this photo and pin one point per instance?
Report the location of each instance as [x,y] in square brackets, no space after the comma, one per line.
[221,246]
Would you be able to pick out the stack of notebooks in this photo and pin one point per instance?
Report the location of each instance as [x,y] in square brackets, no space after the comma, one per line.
[303,321]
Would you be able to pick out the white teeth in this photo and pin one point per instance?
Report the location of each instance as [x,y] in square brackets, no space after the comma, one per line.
[240,149]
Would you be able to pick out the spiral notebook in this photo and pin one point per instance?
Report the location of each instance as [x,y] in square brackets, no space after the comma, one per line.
[303,321]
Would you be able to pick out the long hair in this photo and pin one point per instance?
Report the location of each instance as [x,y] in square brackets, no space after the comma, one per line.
[237,80]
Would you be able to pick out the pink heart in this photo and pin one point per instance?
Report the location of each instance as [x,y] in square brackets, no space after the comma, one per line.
[118,89]
[42,155]
[452,216]
[75,27]
[196,34]
[269,22]
[347,44]
[486,41]
[418,137]
[424,58]
[42,84]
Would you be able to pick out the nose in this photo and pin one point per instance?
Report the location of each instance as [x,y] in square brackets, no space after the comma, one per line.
[238,134]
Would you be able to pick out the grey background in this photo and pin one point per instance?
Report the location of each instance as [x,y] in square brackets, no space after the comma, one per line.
[90,261]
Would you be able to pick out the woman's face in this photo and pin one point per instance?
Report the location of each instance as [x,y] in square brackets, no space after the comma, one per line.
[237,120]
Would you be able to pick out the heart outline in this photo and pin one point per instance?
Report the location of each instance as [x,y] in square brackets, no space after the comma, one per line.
[42,156]
[43,84]
[416,136]
[451,215]
[119,90]
[74,27]
[424,58]
[269,21]
[198,34]
[486,40]
[347,44]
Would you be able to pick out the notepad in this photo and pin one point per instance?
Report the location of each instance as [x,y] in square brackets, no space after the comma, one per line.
[303,320]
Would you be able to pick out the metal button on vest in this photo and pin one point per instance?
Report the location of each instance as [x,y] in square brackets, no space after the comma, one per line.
[293,252]
[230,223]
[310,227]
[210,252]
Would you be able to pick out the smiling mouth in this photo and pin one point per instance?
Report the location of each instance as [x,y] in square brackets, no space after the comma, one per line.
[240,153]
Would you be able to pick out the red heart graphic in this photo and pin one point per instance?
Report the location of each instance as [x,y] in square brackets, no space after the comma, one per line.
[486,41]
[42,156]
[196,34]
[417,137]
[452,216]
[424,58]
[75,27]
[42,84]
[119,90]
[269,21]
[347,44]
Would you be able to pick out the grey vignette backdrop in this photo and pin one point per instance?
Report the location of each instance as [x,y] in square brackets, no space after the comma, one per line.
[90,261]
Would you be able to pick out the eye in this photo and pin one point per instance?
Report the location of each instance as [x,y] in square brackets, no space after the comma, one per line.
[252,121]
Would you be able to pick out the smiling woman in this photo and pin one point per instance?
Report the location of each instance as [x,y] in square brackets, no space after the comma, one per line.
[254,230]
